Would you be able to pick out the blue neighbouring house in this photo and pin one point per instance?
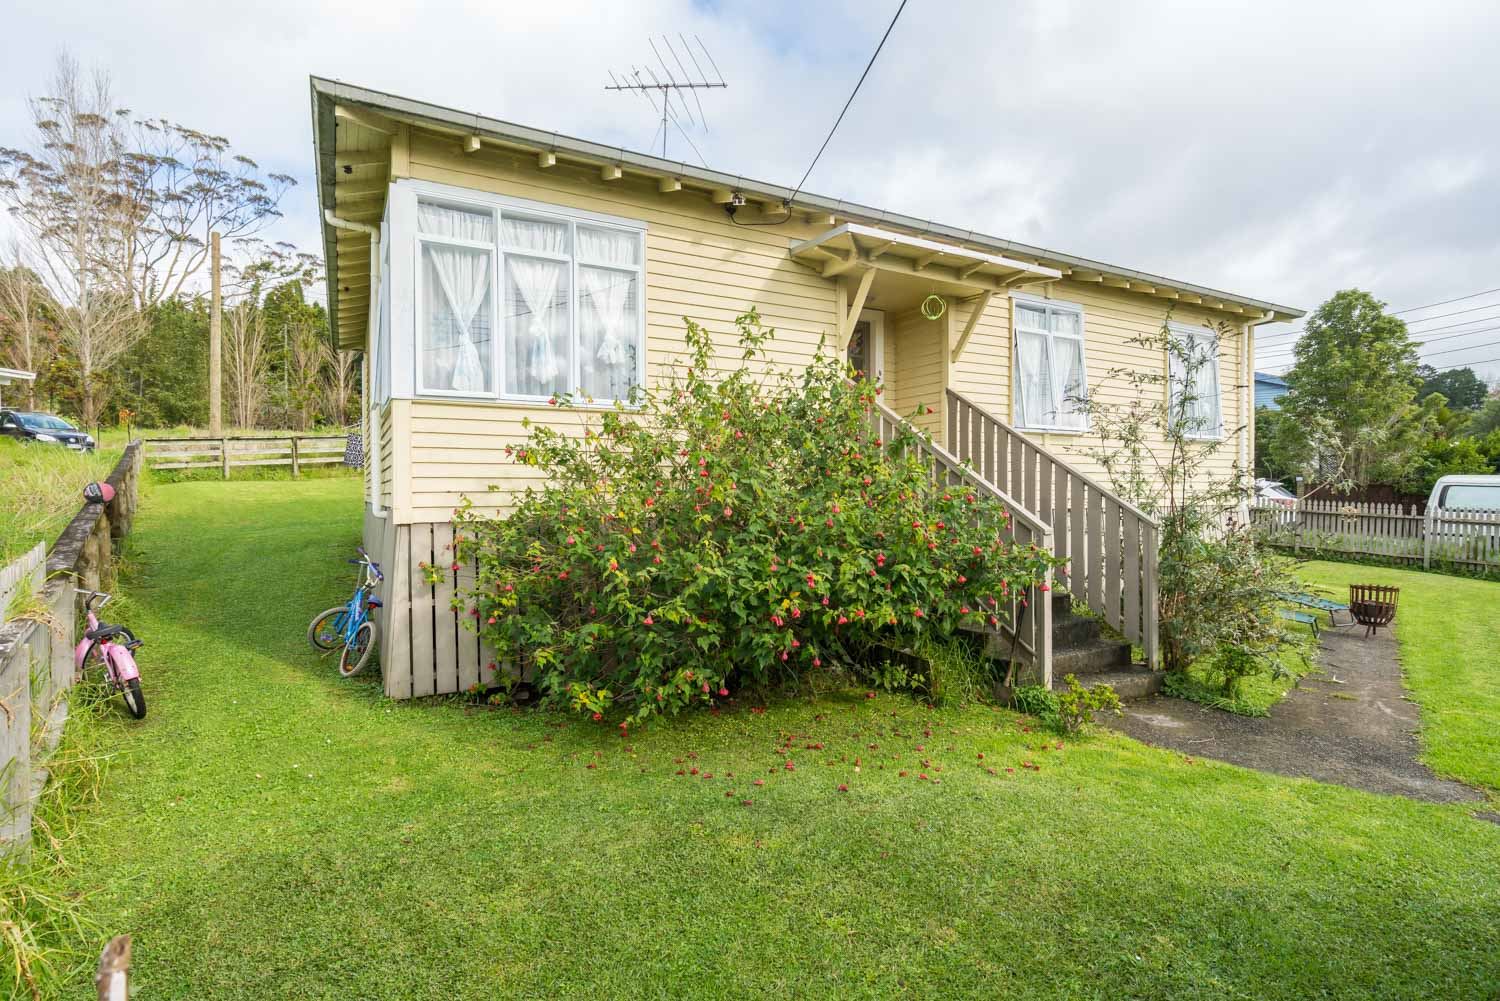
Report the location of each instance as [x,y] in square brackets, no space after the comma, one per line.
[1269,389]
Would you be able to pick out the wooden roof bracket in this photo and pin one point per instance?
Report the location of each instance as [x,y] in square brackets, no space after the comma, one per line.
[980,305]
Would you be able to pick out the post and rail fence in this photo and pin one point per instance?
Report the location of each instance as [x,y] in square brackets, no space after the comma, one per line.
[225,454]
[1110,545]
[1030,624]
[1469,540]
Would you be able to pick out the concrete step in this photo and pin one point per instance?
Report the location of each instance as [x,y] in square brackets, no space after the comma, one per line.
[1133,682]
[1073,630]
[1062,604]
[1093,657]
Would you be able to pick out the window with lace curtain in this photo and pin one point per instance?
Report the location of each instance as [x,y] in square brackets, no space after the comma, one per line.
[517,303]
[1193,374]
[1050,371]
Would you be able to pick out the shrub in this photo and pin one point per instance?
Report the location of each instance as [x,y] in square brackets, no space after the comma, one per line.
[1218,584]
[1076,705]
[731,528]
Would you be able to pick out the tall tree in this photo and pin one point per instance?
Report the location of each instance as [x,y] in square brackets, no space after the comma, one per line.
[117,210]
[65,195]
[1356,370]
[24,307]
[341,370]
[1460,386]
[245,361]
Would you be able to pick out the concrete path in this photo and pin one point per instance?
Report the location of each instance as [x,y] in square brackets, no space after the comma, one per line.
[1352,724]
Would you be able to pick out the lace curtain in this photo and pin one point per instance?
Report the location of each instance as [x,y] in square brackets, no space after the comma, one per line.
[537,324]
[1051,380]
[1194,376]
[455,341]
[607,324]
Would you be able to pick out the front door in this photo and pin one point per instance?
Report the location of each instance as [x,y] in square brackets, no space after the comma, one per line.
[866,351]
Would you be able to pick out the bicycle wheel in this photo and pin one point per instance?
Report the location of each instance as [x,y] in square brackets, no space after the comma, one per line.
[134,701]
[356,653]
[326,631]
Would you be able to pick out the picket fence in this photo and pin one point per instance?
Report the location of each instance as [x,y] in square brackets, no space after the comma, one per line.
[1466,539]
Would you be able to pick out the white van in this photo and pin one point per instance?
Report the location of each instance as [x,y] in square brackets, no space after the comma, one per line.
[1463,518]
[1467,493]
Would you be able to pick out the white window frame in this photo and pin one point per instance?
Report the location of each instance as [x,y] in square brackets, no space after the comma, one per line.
[1053,305]
[497,206]
[1194,334]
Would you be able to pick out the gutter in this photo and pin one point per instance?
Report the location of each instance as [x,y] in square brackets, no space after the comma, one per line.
[372,436]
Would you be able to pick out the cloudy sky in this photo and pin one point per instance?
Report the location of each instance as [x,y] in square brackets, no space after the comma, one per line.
[1282,149]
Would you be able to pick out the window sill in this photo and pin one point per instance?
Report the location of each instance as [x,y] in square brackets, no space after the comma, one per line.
[1075,432]
[521,404]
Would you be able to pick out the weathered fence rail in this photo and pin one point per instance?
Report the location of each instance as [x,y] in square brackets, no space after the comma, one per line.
[1111,546]
[226,454]
[36,649]
[26,574]
[1468,539]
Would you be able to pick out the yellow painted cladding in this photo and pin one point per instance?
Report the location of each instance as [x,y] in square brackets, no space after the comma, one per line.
[699,264]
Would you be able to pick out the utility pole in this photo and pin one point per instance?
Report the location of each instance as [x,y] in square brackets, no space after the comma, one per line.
[215,345]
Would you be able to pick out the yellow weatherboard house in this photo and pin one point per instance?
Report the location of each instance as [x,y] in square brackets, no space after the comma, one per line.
[483,267]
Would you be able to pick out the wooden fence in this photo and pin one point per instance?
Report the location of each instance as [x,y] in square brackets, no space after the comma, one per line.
[30,567]
[224,454]
[1467,539]
[1111,546]
[36,650]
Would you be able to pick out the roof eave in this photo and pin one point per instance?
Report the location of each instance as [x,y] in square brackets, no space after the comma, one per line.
[458,122]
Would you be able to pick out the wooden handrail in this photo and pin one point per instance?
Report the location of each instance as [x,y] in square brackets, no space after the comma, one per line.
[1110,545]
[1073,470]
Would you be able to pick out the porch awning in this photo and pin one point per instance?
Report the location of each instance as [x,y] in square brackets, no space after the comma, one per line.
[855,247]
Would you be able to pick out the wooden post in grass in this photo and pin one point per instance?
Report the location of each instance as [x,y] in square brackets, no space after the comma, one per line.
[111,981]
[224,455]
[296,470]
[215,344]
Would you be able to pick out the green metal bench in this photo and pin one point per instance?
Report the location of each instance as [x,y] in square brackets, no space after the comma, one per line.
[1306,618]
[1321,604]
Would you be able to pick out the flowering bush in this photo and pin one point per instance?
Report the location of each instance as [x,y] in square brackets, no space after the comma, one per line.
[730,528]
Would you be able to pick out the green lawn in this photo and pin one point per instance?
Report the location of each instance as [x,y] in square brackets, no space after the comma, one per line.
[1448,629]
[270,831]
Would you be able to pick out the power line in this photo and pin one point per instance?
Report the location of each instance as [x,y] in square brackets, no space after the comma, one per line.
[840,119]
[1424,341]
[1466,347]
[1403,312]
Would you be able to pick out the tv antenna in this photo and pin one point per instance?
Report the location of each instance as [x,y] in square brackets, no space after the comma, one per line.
[665,91]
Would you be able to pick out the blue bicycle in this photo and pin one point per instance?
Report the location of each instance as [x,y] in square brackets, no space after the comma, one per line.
[349,626]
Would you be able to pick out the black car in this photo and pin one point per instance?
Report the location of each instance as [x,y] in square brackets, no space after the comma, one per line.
[43,428]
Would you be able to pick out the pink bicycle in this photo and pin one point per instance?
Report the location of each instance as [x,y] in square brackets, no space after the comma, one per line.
[112,648]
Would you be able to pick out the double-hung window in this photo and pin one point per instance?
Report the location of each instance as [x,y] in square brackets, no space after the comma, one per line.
[524,304]
[1051,376]
[1193,375]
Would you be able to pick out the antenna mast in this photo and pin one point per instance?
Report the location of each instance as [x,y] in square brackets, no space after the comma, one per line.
[665,92]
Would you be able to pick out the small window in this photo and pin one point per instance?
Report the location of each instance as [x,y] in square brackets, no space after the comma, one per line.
[1051,373]
[1193,374]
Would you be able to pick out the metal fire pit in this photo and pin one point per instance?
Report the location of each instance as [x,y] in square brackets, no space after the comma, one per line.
[1372,605]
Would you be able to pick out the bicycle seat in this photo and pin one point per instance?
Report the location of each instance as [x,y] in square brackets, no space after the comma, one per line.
[106,632]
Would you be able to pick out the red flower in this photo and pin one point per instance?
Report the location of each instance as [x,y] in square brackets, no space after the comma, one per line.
[842,787]
[648,621]
[598,717]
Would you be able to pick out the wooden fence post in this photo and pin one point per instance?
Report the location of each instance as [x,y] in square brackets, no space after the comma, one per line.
[224,455]
[296,470]
[111,981]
